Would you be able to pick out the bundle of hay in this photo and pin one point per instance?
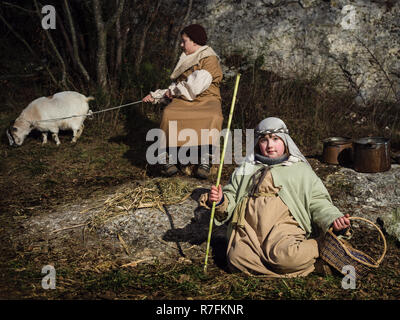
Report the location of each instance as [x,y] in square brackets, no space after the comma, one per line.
[152,193]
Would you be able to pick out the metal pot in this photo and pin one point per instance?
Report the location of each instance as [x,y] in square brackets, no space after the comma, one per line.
[337,150]
[371,154]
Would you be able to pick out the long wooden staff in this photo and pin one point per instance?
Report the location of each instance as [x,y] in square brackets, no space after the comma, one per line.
[220,168]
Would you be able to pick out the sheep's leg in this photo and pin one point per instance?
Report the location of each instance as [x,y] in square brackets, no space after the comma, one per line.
[55,137]
[74,135]
[77,133]
[44,137]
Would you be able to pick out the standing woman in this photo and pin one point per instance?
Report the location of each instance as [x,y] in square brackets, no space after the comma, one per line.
[195,105]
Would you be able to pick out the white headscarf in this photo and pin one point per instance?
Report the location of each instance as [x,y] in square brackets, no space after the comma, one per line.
[276,126]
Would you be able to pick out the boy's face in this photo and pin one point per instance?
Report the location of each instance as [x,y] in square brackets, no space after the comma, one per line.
[271,146]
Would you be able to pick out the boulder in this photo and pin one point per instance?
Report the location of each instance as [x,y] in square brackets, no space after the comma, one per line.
[374,196]
[350,44]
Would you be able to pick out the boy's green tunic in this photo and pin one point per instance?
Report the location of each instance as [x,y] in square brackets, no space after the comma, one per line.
[300,189]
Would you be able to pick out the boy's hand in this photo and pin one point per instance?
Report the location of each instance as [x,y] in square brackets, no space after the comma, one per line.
[215,194]
[341,223]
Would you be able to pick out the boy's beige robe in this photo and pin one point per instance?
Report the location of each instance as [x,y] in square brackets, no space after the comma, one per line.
[271,242]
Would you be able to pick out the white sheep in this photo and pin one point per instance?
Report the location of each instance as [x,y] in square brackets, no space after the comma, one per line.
[40,112]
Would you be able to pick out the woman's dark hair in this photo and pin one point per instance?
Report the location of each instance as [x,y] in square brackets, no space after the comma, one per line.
[196,33]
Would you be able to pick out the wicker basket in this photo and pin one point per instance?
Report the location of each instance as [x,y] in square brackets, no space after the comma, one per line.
[338,253]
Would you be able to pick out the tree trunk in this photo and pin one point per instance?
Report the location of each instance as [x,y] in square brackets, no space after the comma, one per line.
[69,48]
[101,65]
[102,31]
[178,37]
[118,54]
[75,56]
[146,28]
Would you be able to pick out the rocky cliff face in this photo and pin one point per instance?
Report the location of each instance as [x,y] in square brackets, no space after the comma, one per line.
[349,43]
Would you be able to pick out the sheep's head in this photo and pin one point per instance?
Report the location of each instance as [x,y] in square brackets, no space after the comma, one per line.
[17,133]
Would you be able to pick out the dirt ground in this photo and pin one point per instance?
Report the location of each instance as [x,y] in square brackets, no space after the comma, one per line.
[45,189]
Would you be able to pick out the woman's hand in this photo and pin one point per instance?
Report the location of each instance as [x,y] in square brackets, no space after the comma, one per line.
[148,98]
[168,94]
[215,194]
[341,223]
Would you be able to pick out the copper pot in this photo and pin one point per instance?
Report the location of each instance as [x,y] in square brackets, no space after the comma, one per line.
[371,154]
[337,150]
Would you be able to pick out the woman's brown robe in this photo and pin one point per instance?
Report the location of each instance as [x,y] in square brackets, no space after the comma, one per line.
[204,112]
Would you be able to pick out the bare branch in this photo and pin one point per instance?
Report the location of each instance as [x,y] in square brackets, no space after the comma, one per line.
[29,48]
[102,30]
[380,67]
[49,37]
[75,43]
[116,15]
[184,21]
[19,7]
[146,28]
[66,37]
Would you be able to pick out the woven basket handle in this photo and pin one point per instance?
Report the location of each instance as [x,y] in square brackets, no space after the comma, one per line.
[380,232]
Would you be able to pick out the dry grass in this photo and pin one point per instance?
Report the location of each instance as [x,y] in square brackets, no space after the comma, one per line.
[153,193]
[111,152]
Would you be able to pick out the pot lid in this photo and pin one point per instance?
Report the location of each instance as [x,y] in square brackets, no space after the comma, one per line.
[372,140]
[336,140]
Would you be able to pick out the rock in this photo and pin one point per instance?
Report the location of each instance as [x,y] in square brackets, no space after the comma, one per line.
[355,42]
[391,223]
[307,3]
[270,2]
[373,196]
[138,236]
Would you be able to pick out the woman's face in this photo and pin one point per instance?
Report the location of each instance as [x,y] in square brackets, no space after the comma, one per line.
[188,45]
[271,146]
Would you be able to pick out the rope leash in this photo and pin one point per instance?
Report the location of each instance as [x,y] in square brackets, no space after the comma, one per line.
[90,113]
